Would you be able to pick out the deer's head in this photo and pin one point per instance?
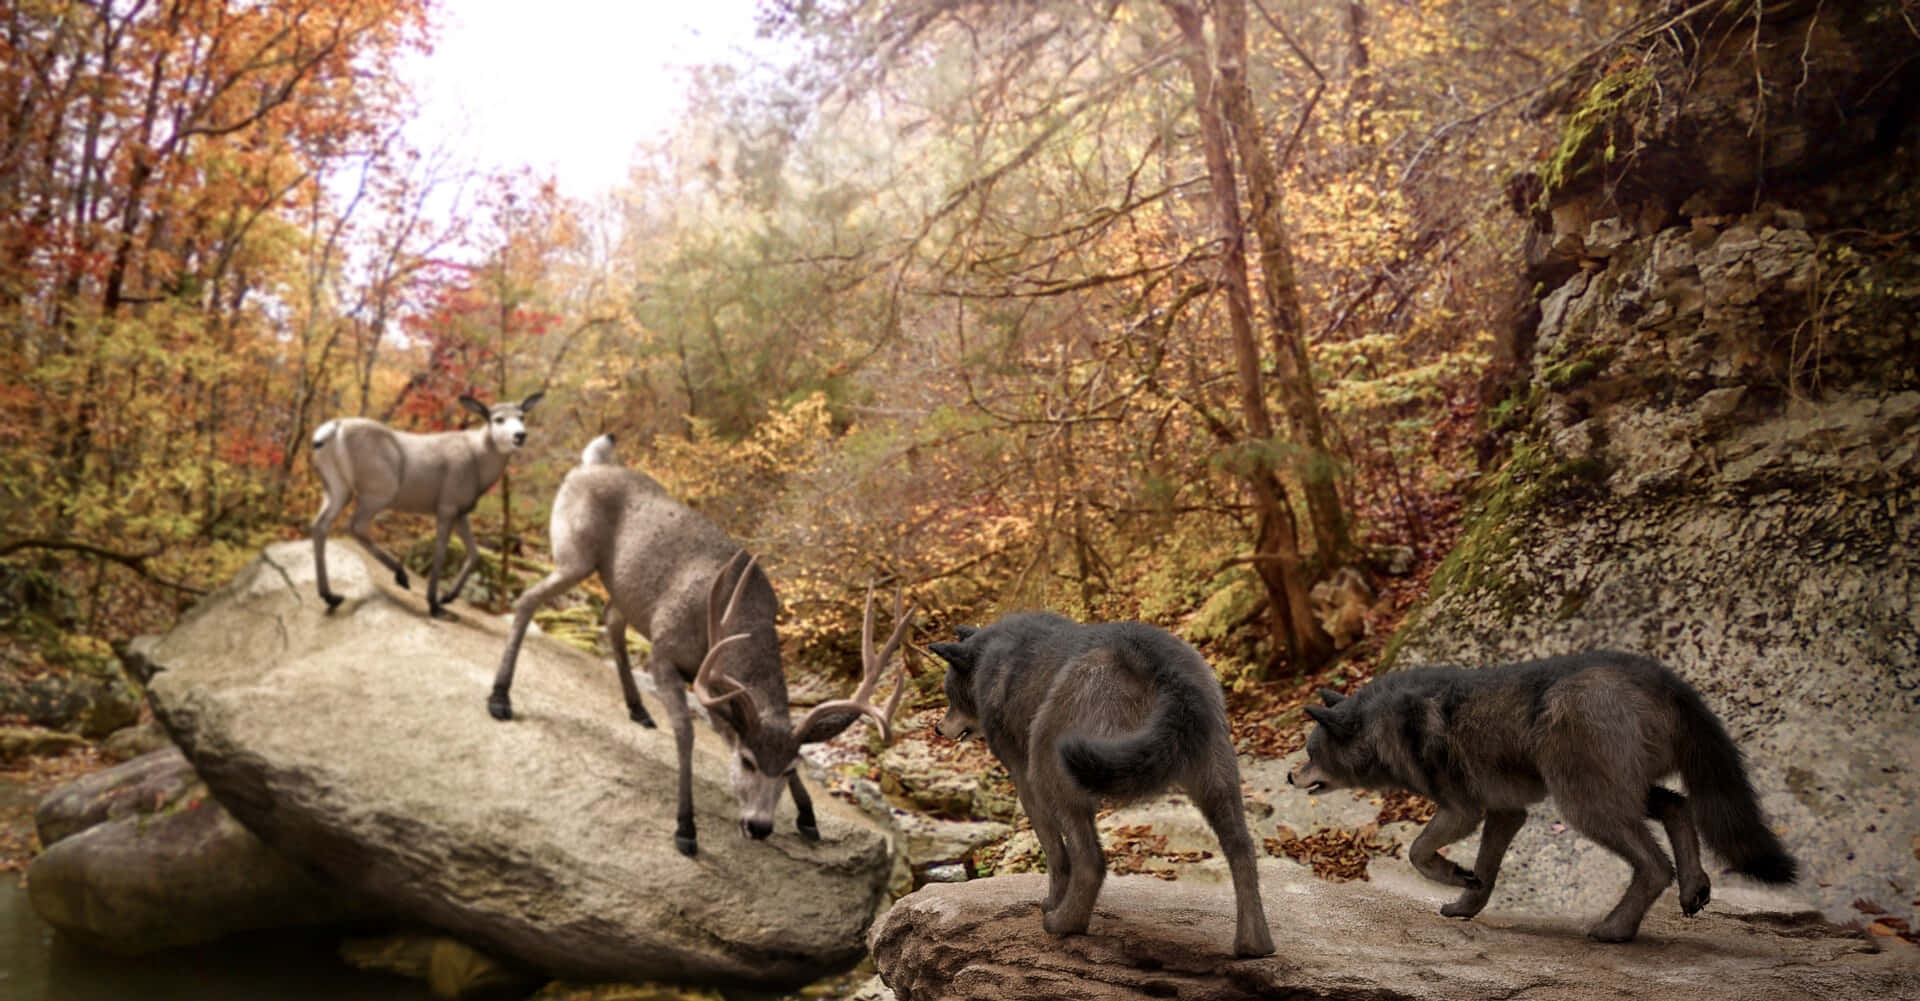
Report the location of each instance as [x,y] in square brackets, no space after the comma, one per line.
[506,422]
[743,658]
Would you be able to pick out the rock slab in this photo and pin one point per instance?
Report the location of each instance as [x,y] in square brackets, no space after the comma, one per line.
[1155,939]
[359,742]
[139,857]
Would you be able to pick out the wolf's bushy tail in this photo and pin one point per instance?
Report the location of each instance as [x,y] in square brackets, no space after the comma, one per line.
[1724,805]
[1185,719]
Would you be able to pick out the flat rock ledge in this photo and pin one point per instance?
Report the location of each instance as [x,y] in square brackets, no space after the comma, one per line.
[358,743]
[1153,939]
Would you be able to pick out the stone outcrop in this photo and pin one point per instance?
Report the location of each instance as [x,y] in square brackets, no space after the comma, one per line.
[359,743]
[1712,456]
[139,857]
[1153,939]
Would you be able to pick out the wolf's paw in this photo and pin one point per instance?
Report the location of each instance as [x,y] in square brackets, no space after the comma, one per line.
[1692,900]
[1258,942]
[1057,922]
[1450,873]
[1607,932]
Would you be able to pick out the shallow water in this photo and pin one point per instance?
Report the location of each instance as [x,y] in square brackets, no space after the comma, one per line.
[38,965]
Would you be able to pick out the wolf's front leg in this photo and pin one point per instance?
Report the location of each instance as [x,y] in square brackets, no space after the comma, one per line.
[1447,826]
[1494,839]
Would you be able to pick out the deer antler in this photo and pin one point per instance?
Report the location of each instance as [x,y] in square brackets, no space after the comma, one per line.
[712,688]
[872,666]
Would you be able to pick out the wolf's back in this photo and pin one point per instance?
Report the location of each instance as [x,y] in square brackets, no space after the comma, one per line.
[1186,717]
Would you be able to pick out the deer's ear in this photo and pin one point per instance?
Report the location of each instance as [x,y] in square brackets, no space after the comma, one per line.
[527,404]
[1331,697]
[957,656]
[476,406]
[965,632]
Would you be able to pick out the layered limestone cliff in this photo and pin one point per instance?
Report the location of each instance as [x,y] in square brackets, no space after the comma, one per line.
[1712,454]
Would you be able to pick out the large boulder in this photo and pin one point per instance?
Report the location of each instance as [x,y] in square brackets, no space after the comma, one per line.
[1155,939]
[139,857]
[359,742]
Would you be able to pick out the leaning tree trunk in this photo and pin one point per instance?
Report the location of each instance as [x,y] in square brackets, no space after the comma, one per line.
[1280,291]
[1276,544]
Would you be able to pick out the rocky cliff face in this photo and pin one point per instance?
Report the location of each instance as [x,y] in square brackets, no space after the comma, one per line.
[1713,456]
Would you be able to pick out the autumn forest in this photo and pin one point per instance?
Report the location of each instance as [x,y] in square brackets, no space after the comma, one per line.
[1161,310]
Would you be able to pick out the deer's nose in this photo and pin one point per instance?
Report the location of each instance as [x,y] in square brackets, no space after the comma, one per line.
[519,438]
[759,829]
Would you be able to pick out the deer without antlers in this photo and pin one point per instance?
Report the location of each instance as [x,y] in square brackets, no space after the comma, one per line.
[442,474]
[666,570]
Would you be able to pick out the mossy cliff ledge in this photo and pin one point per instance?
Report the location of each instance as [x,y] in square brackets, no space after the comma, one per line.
[1713,452]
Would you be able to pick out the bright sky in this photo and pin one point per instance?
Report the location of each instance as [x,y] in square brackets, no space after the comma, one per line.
[566,85]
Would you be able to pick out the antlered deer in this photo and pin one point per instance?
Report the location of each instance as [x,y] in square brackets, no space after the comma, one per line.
[709,612]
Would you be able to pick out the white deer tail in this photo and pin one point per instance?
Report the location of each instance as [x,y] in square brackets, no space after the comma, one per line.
[599,452]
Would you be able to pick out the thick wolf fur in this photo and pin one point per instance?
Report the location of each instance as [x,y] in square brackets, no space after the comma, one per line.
[1596,731]
[1085,713]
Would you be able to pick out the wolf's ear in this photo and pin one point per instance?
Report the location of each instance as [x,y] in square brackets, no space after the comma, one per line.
[958,657]
[965,632]
[1331,697]
[1327,718]
[476,406]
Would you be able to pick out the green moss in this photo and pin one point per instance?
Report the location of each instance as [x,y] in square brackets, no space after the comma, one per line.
[1531,478]
[1594,130]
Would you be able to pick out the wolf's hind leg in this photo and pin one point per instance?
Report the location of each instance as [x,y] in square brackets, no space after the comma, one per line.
[1087,870]
[1675,814]
[1498,833]
[1220,803]
[1447,826]
[1624,832]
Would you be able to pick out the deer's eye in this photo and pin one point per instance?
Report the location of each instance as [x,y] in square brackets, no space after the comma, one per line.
[747,763]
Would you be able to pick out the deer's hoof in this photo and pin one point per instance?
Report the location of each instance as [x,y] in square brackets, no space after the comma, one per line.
[640,716]
[810,832]
[438,610]
[400,578]
[687,845]
[333,600]
[499,707]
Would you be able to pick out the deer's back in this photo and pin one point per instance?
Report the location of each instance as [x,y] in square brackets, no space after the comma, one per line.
[656,556]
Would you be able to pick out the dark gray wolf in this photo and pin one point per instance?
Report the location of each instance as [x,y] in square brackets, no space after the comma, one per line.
[1115,711]
[1594,730]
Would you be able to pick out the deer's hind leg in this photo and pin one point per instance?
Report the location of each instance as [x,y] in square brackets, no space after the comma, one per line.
[564,576]
[623,667]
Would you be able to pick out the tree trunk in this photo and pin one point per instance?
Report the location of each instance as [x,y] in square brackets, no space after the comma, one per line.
[1287,323]
[1276,545]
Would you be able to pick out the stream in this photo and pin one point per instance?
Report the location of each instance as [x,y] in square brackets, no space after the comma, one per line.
[37,965]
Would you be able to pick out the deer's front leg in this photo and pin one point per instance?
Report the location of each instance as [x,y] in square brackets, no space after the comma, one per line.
[674,698]
[809,829]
